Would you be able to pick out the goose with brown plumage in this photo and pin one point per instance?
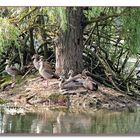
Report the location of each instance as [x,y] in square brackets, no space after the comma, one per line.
[71,75]
[12,71]
[36,58]
[89,82]
[45,72]
[47,65]
[68,84]
[62,80]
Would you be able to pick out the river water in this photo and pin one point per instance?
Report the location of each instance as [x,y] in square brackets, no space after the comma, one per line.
[85,122]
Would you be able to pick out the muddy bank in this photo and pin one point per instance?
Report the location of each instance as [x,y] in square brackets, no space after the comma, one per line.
[33,94]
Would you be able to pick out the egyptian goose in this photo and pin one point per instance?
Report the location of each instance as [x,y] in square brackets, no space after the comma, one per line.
[45,72]
[71,75]
[69,83]
[36,61]
[88,82]
[12,71]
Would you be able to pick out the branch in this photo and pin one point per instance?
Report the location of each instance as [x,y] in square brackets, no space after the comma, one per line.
[103,18]
[125,61]
[132,70]
[90,35]
[27,14]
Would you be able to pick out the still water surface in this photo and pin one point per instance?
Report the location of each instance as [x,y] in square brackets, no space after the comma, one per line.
[66,123]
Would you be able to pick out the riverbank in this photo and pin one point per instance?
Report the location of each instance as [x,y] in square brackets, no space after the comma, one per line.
[33,94]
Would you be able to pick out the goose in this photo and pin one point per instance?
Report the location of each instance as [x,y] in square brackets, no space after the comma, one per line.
[46,73]
[71,75]
[12,71]
[88,82]
[67,84]
[35,58]
[47,65]
[62,80]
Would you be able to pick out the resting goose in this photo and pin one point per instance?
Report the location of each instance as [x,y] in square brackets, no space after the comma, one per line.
[72,83]
[62,80]
[71,75]
[88,82]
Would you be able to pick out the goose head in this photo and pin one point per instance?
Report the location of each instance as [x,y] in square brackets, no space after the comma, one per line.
[7,62]
[62,80]
[70,74]
[84,73]
[35,56]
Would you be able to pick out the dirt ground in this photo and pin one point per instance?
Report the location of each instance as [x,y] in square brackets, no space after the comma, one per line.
[33,94]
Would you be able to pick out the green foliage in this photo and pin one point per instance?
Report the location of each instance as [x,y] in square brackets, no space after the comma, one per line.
[63,21]
[57,15]
[131,29]
[8,34]
[93,12]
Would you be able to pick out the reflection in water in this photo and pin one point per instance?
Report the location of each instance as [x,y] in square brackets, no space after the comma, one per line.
[58,122]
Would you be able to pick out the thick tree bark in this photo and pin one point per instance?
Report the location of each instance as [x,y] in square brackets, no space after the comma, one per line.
[45,47]
[32,50]
[44,37]
[69,48]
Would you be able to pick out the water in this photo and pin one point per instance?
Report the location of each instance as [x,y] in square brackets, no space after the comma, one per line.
[68,123]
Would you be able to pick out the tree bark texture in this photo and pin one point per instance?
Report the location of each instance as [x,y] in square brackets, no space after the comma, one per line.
[69,48]
[32,50]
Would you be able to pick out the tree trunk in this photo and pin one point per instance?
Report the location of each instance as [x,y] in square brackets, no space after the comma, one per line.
[44,37]
[69,48]
[32,50]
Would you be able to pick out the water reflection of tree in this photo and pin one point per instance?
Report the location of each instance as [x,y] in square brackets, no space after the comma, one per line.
[2,122]
[70,123]
[5,125]
[15,123]
[43,123]
[59,122]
